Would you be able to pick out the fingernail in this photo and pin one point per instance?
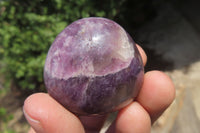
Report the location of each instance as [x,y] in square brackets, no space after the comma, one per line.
[35,124]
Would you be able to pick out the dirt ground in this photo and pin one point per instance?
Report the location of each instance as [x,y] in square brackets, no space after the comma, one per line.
[13,103]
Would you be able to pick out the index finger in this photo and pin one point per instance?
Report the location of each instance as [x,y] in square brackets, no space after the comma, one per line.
[156,94]
[142,53]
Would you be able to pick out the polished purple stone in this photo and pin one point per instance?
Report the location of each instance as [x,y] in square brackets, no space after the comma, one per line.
[93,67]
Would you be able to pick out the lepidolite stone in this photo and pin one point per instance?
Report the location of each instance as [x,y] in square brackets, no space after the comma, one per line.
[93,67]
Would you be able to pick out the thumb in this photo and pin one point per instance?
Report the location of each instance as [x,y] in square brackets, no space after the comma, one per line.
[45,115]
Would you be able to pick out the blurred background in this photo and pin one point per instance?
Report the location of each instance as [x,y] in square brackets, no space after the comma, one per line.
[168,31]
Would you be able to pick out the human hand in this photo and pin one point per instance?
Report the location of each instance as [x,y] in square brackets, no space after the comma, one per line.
[45,115]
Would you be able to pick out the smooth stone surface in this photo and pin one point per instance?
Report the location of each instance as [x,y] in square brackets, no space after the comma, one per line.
[93,67]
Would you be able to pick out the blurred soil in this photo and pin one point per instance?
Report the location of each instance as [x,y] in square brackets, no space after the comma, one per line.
[13,102]
[172,43]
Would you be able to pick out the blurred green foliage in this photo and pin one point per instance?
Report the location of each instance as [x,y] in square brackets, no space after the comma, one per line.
[27,29]
[5,117]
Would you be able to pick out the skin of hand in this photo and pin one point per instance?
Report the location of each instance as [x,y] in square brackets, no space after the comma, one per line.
[45,115]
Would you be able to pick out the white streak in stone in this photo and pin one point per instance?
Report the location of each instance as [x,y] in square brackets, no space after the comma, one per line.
[67,41]
[125,51]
